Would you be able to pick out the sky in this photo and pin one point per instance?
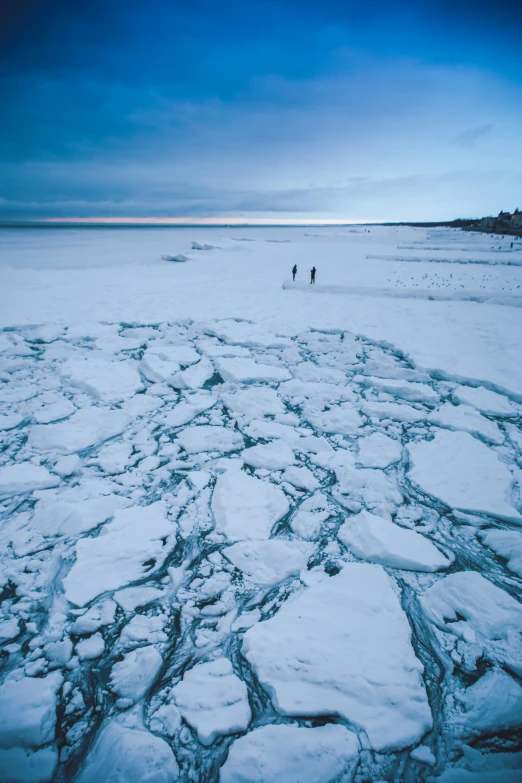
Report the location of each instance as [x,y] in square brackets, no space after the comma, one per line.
[260,109]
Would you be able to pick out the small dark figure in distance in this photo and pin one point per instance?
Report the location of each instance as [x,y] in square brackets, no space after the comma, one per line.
[312,275]
[294,271]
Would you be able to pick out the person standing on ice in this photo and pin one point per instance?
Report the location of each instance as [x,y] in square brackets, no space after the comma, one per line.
[294,271]
[312,275]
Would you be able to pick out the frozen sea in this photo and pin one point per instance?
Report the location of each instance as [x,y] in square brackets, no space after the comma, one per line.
[255,530]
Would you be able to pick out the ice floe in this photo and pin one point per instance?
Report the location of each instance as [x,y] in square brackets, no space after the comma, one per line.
[343,647]
[268,562]
[245,507]
[132,545]
[294,754]
[464,474]
[381,541]
[213,700]
[129,755]
[24,477]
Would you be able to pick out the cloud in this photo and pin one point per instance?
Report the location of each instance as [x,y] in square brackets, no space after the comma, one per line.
[470,137]
[178,108]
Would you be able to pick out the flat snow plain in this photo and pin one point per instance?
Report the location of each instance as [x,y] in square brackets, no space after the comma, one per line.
[255,531]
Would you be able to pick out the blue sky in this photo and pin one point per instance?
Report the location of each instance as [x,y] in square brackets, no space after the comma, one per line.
[288,109]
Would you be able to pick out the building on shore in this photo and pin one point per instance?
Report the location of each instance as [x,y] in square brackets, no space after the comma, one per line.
[504,223]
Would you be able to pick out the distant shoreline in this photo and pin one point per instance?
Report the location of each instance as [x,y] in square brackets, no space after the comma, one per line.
[478,225]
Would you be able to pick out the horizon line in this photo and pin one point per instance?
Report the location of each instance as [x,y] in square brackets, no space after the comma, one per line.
[214,221]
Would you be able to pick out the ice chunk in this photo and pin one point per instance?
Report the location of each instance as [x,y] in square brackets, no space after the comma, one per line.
[378,450]
[58,410]
[272,456]
[467,419]
[91,648]
[292,754]
[424,754]
[66,466]
[302,478]
[8,421]
[110,381]
[97,616]
[132,677]
[492,704]
[194,377]
[55,517]
[132,597]
[114,457]
[88,427]
[132,545]
[245,333]
[46,333]
[506,544]
[343,420]
[161,362]
[9,629]
[268,562]
[472,608]
[22,766]
[188,409]
[143,628]
[238,370]
[369,486]
[310,372]
[310,516]
[254,402]
[25,477]
[464,474]
[124,755]
[486,401]
[343,647]
[213,700]
[28,711]
[210,438]
[245,507]
[393,410]
[414,392]
[380,541]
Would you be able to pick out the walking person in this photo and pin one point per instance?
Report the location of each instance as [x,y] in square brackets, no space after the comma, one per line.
[312,275]
[294,271]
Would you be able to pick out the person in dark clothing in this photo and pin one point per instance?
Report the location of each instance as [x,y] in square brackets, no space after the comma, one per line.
[294,271]
[312,275]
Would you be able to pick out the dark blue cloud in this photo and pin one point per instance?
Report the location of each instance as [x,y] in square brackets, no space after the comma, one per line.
[113,105]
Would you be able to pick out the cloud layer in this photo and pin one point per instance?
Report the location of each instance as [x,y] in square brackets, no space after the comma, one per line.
[278,108]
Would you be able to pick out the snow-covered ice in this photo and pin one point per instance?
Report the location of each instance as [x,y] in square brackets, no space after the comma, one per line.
[245,507]
[268,562]
[205,438]
[272,754]
[24,477]
[464,474]
[132,677]
[342,647]
[276,455]
[129,755]
[506,544]
[189,501]
[88,427]
[378,451]
[28,711]
[467,419]
[381,541]
[130,546]
[213,700]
